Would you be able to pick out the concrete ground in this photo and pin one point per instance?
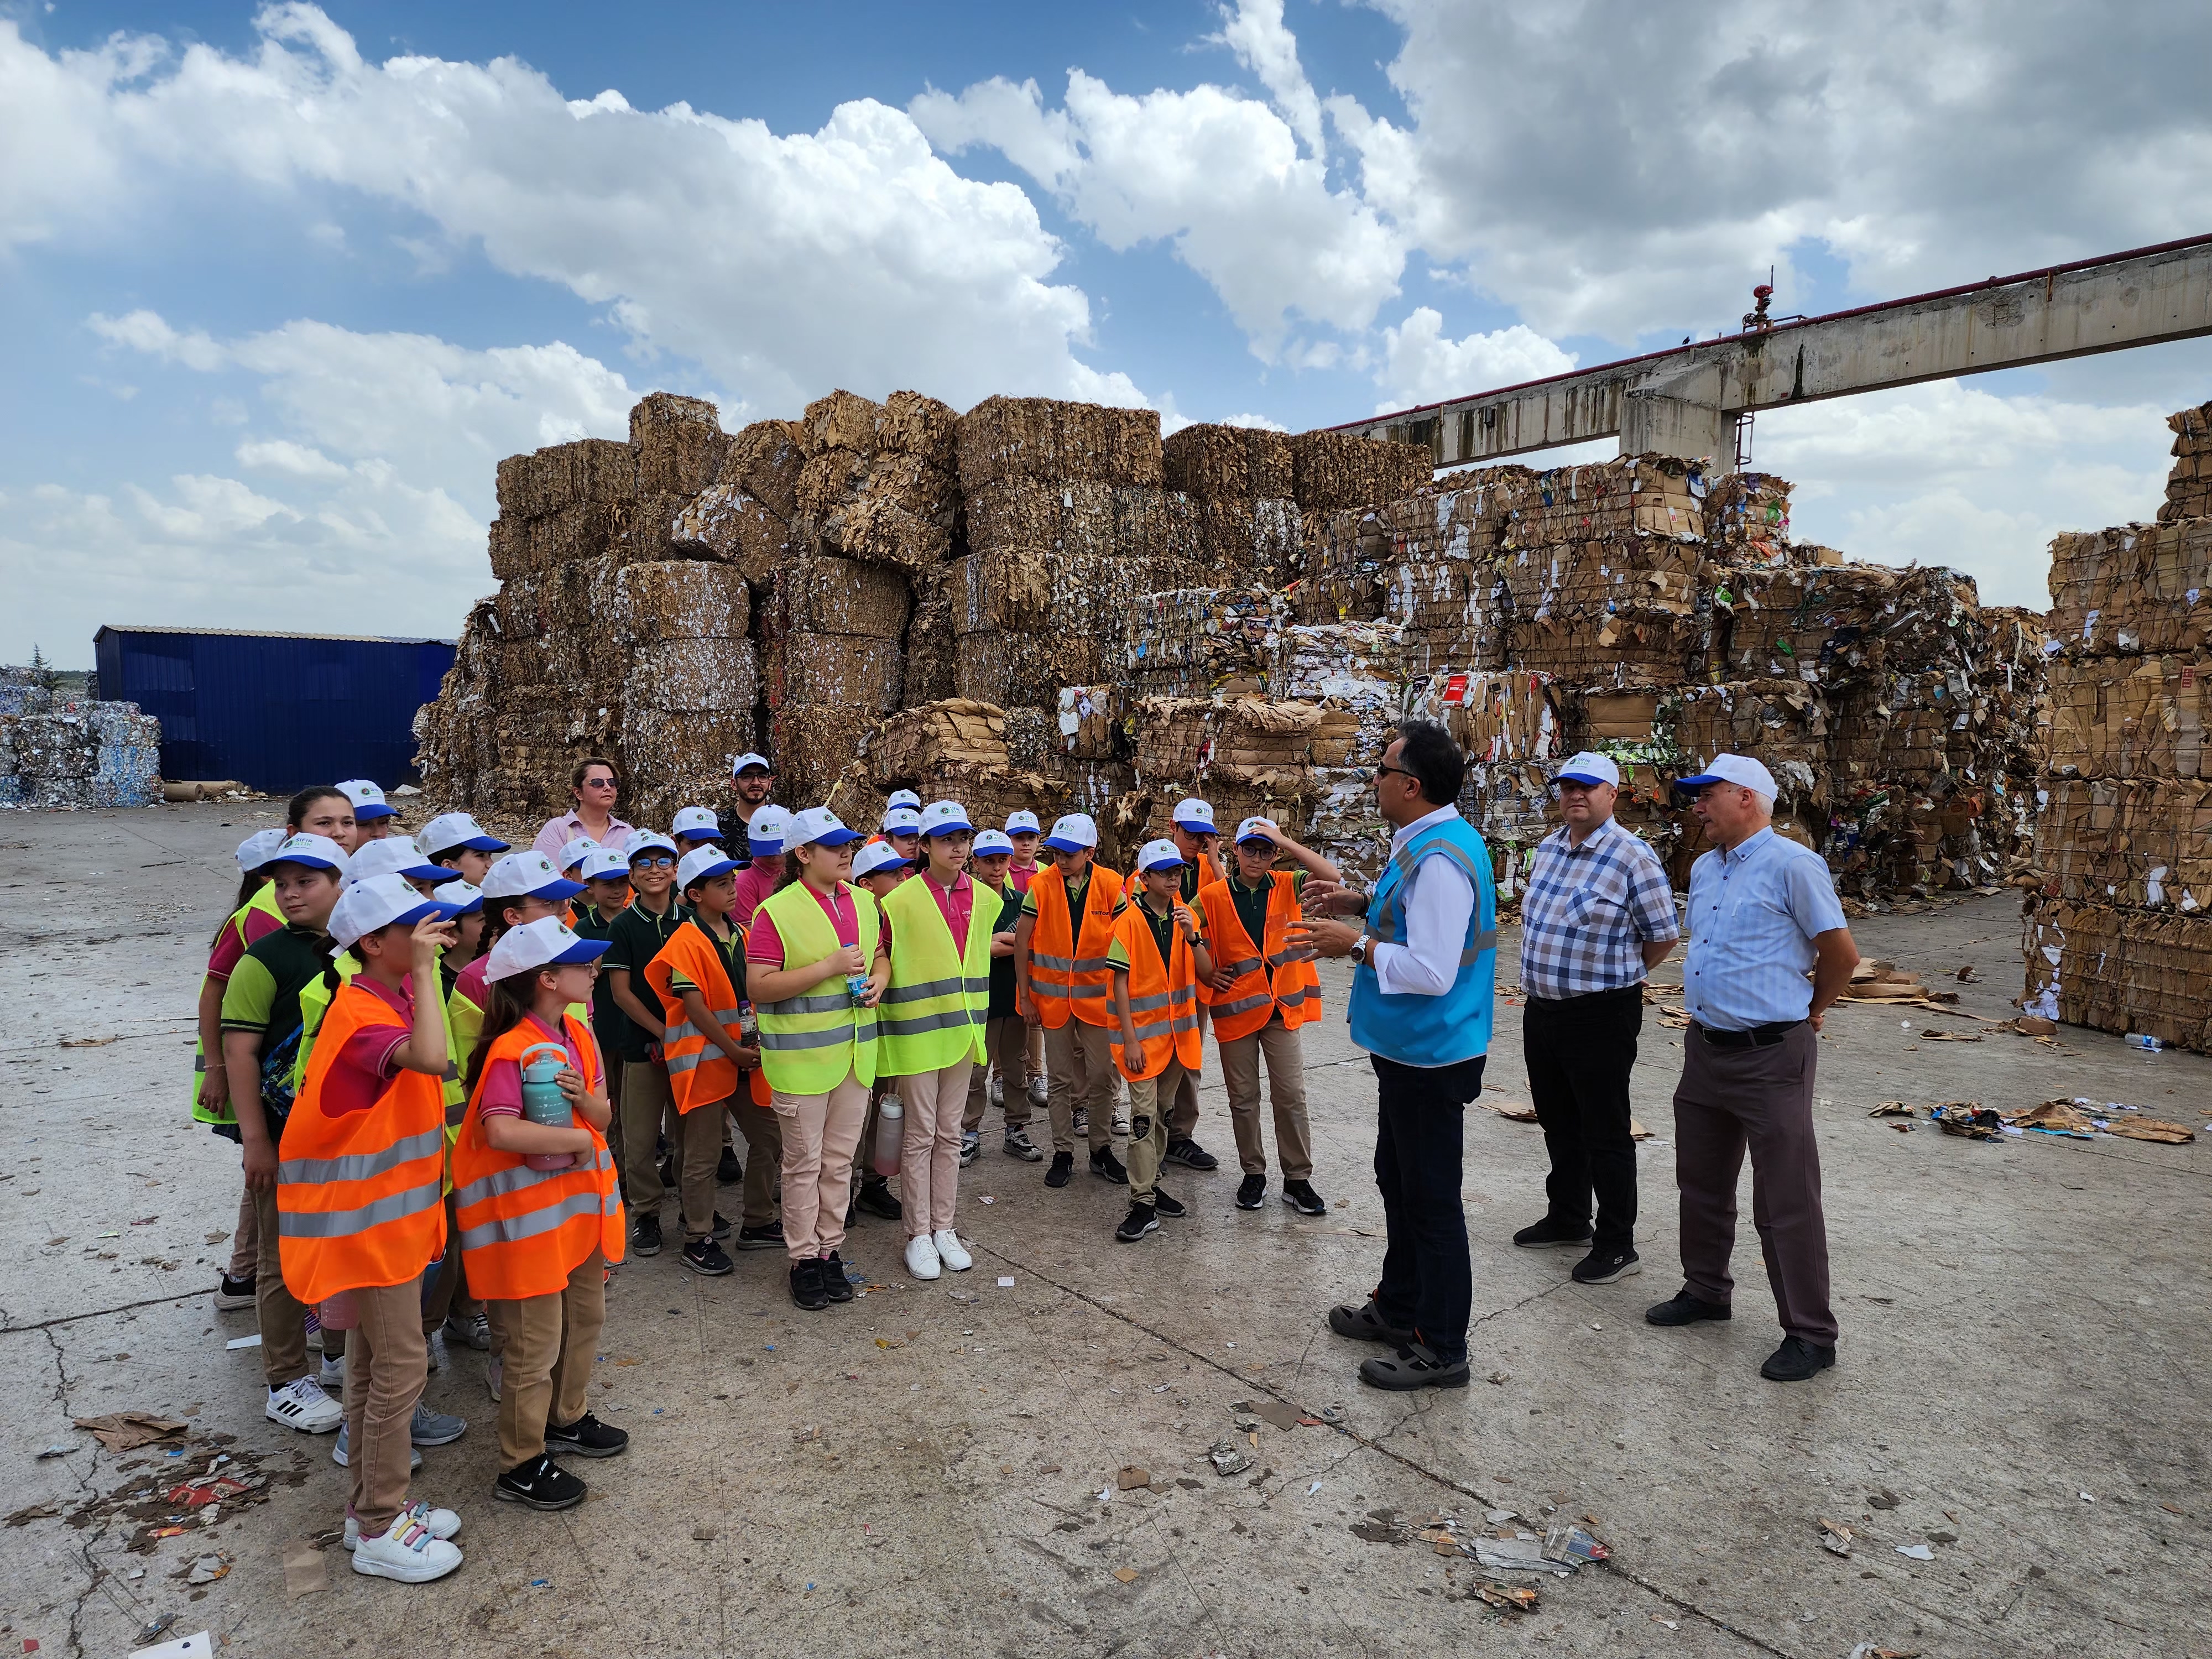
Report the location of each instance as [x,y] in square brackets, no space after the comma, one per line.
[2020,1390]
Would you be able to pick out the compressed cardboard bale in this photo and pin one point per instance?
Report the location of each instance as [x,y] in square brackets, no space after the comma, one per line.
[913,424]
[724,522]
[1747,515]
[914,485]
[1003,589]
[1033,739]
[1343,580]
[1200,636]
[932,646]
[683,676]
[1005,439]
[1101,445]
[1246,743]
[2189,485]
[829,478]
[513,483]
[2118,970]
[1331,471]
[1018,670]
[510,550]
[878,531]
[1228,539]
[1820,624]
[2128,717]
[1152,524]
[843,420]
[1494,716]
[810,745]
[673,761]
[679,442]
[1208,462]
[1019,512]
[647,529]
[1782,723]
[1630,494]
[1087,523]
[1089,721]
[816,594]
[917,741]
[836,670]
[2133,588]
[2140,844]
[765,459]
[680,599]
[1582,580]
[1632,644]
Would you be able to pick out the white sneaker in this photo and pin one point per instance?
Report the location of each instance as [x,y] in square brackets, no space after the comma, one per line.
[442,1524]
[998,1090]
[436,1347]
[302,1405]
[409,1551]
[1040,1092]
[342,1453]
[921,1257]
[332,1374]
[950,1252]
[493,1371]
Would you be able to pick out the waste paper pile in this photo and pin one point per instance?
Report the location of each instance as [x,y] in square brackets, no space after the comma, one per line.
[59,752]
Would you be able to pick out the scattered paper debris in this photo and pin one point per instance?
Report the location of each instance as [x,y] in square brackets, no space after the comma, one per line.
[1228,1457]
[198,1646]
[122,1431]
[1515,1110]
[59,1448]
[1915,1552]
[1509,1597]
[252,1341]
[1835,1537]
[304,1570]
[1313,1488]
[1969,1118]
[208,1569]
[1126,1575]
[1006,1281]
[1132,1477]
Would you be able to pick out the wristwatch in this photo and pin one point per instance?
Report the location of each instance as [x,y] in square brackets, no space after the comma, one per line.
[1358,951]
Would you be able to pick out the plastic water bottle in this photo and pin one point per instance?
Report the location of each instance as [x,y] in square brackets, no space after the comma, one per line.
[543,1101]
[891,1130]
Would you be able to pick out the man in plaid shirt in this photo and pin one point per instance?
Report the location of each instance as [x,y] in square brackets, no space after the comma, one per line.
[1597,914]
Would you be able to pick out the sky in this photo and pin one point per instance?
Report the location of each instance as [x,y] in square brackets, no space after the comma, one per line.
[283,284]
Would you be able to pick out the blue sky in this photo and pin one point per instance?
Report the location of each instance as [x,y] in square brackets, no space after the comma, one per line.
[283,284]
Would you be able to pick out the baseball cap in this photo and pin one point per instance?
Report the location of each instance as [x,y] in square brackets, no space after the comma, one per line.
[944,818]
[1256,829]
[648,841]
[1075,833]
[1588,767]
[257,848]
[378,902]
[990,840]
[1196,816]
[316,852]
[701,863]
[696,821]
[602,861]
[528,874]
[903,820]
[878,856]
[904,798]
[1155,854]
[367,799]
[747,762]
[395,855]
[1734,768]
[817,826]
[544,943]
[1021,823]
[465,897]
[451,829]
[575,851]
[770,827]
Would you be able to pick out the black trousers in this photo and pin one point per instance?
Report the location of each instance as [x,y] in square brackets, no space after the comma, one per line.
[1428,1281]
[1579,1052]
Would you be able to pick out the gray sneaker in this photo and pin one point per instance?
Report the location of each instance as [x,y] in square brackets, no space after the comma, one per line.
[342,1453]
[492,1373]
[432,1428]
[1018,1146]
[971,1147]
[1040,1092]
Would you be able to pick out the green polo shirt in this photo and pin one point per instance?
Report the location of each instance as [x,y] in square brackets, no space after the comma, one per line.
[609,1024]
[263,998]
[634,936]
[1251,902]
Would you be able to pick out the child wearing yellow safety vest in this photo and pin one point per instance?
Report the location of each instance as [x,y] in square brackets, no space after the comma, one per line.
[538,1210]
[254,916]
[816,968]
[881,868]
[1158,958]
[930,1027]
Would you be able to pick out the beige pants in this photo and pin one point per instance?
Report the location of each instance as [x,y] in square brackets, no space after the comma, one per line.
[1287,1092]
[547,1363]
[763,1134]
[1006,1041]
[929,1150]
[819,1134]
[1148,1128]
[283,1320]
[244,1239]
[1079,1071]
[384,1379]
[648,1112]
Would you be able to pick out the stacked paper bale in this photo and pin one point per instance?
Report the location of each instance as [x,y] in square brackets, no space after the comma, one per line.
[1197,642]
[2115,930]
[1248,756]
[1241,483]
[2189,485]
[834,659]
[59,752]
[688,697]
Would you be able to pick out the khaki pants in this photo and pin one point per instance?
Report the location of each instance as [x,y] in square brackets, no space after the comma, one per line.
[448,1290]
[819,1134]
[244,1239]
[1287,1092]
[698,1140]
[547,1363]
[1006,1042]
[929,1150]
[613,1079]
[384,1379]
[763,1134]
[1182,1111]
[1148,1128]
[283,1320]
[647,1110]
[1079,1071]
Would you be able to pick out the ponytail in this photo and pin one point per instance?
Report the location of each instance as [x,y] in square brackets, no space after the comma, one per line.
[503,1014]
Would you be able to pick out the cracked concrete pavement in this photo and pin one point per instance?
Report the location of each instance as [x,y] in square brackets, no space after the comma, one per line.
[2024,1333]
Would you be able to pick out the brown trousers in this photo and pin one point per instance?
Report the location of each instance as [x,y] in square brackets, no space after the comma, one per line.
[696,1135]
[1760,1099]
[1006,1039]
[763,1134]
[283,1320]
[1079,1060]
[547,1364]
[1183,1109]
[1148,1128]
[1286,1094]
[385,1370]
[245,1239]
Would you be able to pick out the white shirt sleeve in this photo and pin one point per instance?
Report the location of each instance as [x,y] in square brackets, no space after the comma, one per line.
[1427,964]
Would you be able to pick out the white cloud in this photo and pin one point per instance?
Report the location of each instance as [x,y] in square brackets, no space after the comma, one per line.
[1257,422]
[1254,31]
[282,455]
[1421,366]
[144,331]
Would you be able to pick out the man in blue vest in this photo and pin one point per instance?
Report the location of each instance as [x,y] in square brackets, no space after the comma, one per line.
[1424,960]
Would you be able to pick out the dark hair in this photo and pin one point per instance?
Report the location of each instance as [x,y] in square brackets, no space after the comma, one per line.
[496,921]
[503,1014]
[296,808]
[1428,752]
[583,766]
[248,885]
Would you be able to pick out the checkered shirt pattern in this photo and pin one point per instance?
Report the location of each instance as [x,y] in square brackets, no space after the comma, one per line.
[1587,911]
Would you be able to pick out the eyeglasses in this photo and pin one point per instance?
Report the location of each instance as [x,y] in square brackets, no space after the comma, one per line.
[653,861]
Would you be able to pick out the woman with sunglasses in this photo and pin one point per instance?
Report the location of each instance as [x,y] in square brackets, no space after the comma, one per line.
[593,784]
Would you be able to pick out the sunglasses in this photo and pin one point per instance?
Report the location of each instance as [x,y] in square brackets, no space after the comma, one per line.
[653,861]
[1400,770]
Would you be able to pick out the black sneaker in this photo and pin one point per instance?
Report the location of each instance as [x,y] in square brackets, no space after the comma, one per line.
[1142,1219]
[586,1437]
[768,1235]
[706,1258]
[728,1170]
[235,1293]
[1550,1235]
[1063,1168]
[807,1285]
[1413,1367]
[877,1198]
[1606,1266]
[1795,1360]
[720,1230]
[1683,1309]
[1107,1167]
[1301,1197]
[645,1235]
[1251,1191]
[543,1484]
[1191,1156]
[1081,1122]
[1168,1205]
[834,1285]
[1365,1323]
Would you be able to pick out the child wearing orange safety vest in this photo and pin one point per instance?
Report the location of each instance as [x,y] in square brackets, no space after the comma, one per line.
[1157,958]
[539,1211]
[360,1209]
[1062,983]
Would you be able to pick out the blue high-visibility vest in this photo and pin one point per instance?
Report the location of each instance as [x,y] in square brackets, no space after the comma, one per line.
[1441,1030]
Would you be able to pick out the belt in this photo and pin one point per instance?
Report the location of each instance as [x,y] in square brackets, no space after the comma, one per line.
[1759,1036]
[1636,985]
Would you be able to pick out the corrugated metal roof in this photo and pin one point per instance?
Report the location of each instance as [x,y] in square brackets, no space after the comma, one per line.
[270,633]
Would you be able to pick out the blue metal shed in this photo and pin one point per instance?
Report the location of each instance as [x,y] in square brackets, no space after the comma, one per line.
[276,711]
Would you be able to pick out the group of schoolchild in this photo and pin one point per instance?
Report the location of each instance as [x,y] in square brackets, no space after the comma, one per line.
[609,1007]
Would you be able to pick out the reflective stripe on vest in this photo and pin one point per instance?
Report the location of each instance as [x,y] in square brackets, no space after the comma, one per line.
[1264,979]
[935,1007]
[1068,970]
[1163,995]
[1384,926]
[265,901]
[523,1232]
[360,1195]
[811,1043]
[699,1073]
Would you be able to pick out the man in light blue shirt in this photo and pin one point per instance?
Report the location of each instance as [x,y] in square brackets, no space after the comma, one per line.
[1762,916]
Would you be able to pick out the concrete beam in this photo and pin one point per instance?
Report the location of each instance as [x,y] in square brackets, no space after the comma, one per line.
[1686,401]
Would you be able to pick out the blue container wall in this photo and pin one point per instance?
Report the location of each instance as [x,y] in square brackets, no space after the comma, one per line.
[277,714]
